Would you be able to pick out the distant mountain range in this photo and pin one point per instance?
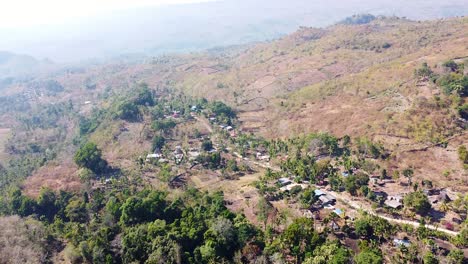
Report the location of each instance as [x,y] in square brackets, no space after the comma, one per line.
[194,27]
[14,67]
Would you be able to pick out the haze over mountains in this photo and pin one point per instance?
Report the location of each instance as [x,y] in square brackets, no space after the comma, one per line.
[193,27]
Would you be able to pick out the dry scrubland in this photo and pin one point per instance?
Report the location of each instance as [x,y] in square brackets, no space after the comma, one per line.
[356,80]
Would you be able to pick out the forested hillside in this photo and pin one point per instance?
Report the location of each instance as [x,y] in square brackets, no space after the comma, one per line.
[344,144]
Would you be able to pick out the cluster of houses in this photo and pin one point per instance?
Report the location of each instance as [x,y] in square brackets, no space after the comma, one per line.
[178,155]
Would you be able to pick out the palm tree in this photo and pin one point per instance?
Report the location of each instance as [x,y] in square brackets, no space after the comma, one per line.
[444,207]
[408,173]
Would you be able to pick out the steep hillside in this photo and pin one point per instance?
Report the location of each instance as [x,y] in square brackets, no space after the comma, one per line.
[341,143]
[355,80]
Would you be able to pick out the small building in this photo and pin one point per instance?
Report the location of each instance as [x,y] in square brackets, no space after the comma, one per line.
[153,156]
[289,187]
[179,157]
[262,157]
[284,181]
[334,226]
[401,242]
[345,174]
[194,108]
[338,212]
[318,192]
[394,202]
[229,128]
[327,199]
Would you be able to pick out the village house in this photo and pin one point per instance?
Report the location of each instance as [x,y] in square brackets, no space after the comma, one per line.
[394,202]
[334,226]
[262,157]
[401,242]
[327,199]
[441,197]
[289,187]
[153,156]
[339,212]
[284,181]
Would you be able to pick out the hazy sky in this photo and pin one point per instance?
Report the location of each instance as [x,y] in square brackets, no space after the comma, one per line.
[25,13]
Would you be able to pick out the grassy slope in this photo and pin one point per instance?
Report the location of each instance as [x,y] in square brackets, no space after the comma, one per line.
[338,79]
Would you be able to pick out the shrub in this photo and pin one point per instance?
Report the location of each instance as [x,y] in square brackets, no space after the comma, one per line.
[417,202]
[90,157]
[423,71]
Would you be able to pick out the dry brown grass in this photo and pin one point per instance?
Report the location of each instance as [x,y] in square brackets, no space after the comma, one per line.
[56,177]
[22,241]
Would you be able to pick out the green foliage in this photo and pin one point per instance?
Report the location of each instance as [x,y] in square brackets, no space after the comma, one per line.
[463,111]
[423,71]
[211,160]
[158,142]
[355,182]
[463,154]
[165,125]
[126,110]
[368,148]
[363,228]
[90,157]
[144,96]
[76,211]
[454,82]
[89,125]
[461,239]
[452,65]
[370,226]
[369,256]
[417,202]
[221,109]
[330,253]
[207,145]
[429,258]
[456,256]
[143,209]
[300,237]
[307,198]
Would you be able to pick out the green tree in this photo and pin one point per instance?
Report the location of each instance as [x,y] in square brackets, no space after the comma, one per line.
[456,256]
[423,71]
[76,211]
[207,145]
[144,96]
[369,256]
[408,173]
[47,204]
[429,258]
[417,202]
[158,142]
[463,154]
[329,253]
[127,110]
[300,237]
[363,227]
[90,156]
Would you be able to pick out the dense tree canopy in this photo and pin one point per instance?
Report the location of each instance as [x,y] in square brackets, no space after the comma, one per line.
[89,156]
